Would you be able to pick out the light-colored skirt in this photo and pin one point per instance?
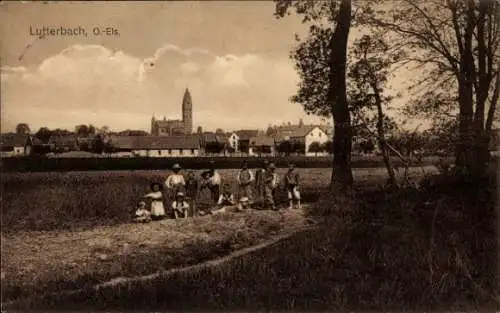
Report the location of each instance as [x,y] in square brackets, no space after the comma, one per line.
[157,208]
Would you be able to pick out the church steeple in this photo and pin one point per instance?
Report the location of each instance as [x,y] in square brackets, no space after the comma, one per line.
[153,125]
[187,112]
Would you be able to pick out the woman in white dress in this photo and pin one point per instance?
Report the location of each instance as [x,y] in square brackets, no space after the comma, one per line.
[156,197]
[175,182]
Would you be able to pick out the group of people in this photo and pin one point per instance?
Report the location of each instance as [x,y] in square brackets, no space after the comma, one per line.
[183,191]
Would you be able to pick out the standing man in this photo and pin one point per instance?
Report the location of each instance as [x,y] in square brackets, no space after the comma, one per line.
[292,185]
[271,184]
[245,179]
[260,176]
[175,182]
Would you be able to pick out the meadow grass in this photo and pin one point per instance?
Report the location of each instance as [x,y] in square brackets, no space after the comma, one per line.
[412,249]
[74,200]
[81,219]
[36,263]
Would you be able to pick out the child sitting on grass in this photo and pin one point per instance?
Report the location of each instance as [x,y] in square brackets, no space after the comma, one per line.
[141,214]
[244,204]
[226,200]
[180,206]
[226,197]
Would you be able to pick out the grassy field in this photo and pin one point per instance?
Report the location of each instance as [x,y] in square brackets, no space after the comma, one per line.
[81,219]
[46,201]
[35,263]
[410,250]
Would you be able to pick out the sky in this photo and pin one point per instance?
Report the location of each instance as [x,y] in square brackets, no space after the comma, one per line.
[233,56]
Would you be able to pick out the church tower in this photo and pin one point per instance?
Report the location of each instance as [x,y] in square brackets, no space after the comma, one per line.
[153,126]
[187,112]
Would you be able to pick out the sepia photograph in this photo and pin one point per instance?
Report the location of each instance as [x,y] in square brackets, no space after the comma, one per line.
[274,155]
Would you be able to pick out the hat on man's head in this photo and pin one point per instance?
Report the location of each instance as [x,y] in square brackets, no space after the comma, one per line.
[272,166]
[180,194]
[176,166]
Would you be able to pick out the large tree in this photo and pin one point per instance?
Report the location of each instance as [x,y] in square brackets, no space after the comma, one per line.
[321,63]
[22,128]
[44,134]
[455,42]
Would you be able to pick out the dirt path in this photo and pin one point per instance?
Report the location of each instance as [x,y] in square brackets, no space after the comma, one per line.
[40,262]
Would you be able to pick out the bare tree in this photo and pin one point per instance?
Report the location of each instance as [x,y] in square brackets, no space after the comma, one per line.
[456,42]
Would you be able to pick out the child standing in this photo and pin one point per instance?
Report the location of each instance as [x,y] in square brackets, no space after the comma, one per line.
[180,206]
[260,176]
[156,196]
[271,183]
[245,179]
[192,191]
[292,185]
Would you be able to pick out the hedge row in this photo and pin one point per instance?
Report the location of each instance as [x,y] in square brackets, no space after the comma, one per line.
[34,164]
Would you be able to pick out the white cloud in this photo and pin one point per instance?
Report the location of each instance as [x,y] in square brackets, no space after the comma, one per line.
[93,84]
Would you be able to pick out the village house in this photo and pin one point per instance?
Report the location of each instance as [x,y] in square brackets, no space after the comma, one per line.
[63,143]
[304,135]
[241,139]
[262,145]
[212,143]
[233,140]
[15,145]
[155,146]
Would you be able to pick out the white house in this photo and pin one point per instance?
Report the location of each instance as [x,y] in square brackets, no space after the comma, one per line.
[233,141]
[15,145]
[304,134]
[156,146]
[316,134]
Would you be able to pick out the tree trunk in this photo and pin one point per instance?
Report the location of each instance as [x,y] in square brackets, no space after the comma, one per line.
[465,160]
[381,137]
[337,95]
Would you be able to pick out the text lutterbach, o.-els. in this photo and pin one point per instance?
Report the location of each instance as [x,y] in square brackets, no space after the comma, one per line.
[58,31]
